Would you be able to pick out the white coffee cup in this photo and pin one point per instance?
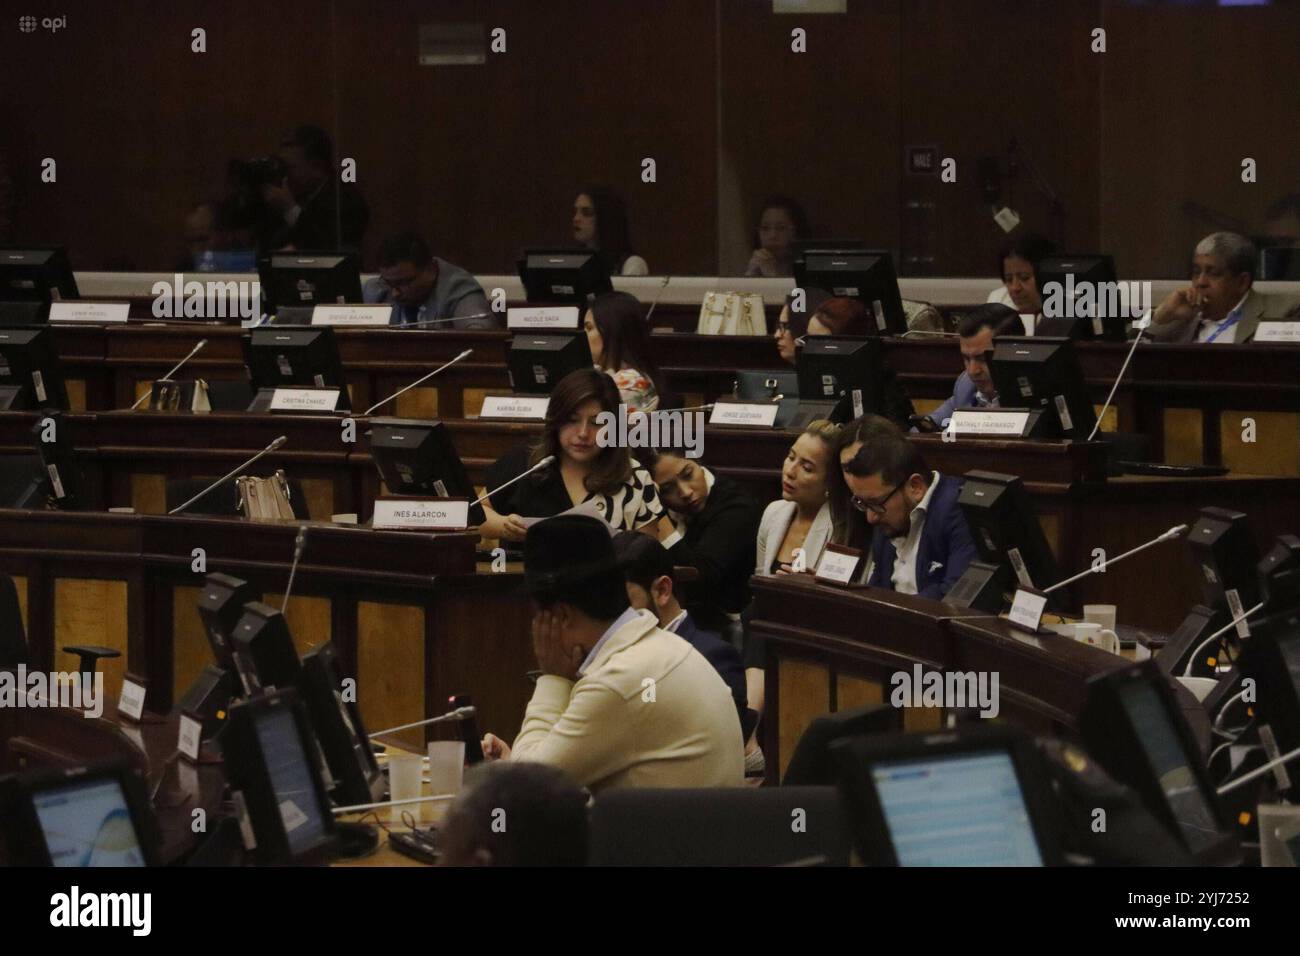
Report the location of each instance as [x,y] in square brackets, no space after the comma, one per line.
[1086,632]
[1103,614]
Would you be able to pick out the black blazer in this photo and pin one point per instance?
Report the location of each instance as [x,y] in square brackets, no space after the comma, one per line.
[720,543]
[724,658]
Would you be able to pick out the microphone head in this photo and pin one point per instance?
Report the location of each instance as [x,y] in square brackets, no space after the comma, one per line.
[548,460]
[279,442]
[464,354]
[201,343]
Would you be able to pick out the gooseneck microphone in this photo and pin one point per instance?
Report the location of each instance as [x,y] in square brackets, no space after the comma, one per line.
[454,318]
[663,285]
[460,713]
[548,460]
[168,377]
[400,391]
[299,543]
[1174,532]
[279,442]
[1142,327]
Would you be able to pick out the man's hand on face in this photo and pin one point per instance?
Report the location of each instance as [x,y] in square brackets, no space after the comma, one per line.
[1180,305]
[553,657]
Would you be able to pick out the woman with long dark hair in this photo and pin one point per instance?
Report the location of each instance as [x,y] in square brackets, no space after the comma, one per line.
[603,477]
[781,221]
[616,332]
[600,224]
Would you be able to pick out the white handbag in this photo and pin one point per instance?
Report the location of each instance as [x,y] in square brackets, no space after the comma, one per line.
[732,313]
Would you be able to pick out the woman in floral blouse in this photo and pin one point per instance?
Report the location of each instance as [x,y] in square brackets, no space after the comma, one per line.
[616,332]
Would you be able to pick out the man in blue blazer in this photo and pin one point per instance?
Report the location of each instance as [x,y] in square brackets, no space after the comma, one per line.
[976,332]
[921,543]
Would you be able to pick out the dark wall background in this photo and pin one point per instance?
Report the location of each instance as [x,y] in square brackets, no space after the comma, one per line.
[486,159]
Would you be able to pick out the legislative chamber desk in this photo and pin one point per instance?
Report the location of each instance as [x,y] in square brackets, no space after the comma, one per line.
[126,458]
[1189,400]
[832,648]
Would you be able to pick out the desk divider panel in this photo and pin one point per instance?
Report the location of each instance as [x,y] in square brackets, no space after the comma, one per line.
[309,619]
[1184,442]
[804,694]
[390,655]
[1275,449]
[190,650]
[419,402]
[20,584]
[149,494]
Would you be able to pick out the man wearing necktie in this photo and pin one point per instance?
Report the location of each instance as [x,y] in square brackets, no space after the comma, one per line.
[1220,307]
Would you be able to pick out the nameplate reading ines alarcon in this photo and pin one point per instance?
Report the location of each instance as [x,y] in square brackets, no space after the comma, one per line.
[1027,609]
[89,312]
[990,423]
[131,702]
[543,317]
[743,413]
[837,564]
[352,315]
[1288,332]
[421,514]
[515,406]
[304,400]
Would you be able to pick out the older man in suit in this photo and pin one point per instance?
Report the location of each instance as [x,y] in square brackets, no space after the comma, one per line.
[921,543]
[1220,306]
[620,702]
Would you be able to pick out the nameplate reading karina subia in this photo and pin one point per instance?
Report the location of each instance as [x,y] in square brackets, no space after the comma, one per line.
[543,317]
[421,514]
[304,399]
[352,315]
[743,413]
[515,406]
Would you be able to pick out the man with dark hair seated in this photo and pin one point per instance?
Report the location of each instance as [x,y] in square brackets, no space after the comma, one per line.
[516,814]
[648,572]
[620,701]
[318,211]
[423,288]
[921,544]
[976,331]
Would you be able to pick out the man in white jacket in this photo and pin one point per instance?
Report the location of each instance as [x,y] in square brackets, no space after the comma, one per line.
[621,702]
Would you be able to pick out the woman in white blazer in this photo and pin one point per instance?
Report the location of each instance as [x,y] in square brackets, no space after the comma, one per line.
[799,520]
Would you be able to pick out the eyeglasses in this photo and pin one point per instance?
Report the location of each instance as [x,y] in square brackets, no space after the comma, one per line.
[876,507]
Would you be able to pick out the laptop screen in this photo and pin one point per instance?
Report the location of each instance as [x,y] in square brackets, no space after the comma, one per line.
[962,809]
[88,824]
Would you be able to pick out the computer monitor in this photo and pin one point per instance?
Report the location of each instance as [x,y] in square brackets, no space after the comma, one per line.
[84,816]
[537,361]
[271,762]
[763,386]
[1039,372]
[974,796]
[1272,658]
[563,276]
[1132,725]
[30,376]
[864,274]
[60,470]
[1278,573]
[30,279]
[419,458]
[813,764]
[309,279]
[221,605]
[288,356]
[1013,552]
[1279,264]
[1081,298]
[263,649]
[848,371]
[337,723]
[1223,546]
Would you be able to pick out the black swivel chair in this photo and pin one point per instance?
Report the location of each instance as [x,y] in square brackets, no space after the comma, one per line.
[732,826]
[225,500]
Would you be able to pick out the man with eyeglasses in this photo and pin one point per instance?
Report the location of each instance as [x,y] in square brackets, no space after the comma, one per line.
[424,289]
[921,543]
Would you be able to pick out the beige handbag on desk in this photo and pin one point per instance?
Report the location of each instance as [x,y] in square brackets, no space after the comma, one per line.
[732,313]
[265,499]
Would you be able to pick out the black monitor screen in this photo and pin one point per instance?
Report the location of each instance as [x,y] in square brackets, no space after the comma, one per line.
[285,356]
[1169,762]
[30,377]
[1004,525]
[292,779]
[843,368]
[309,279]
[565,276]
[958,809]
[1043,373]
[864,274]
[536,362]
[88,823]
[36,275]
[1082,299]
[1223,546]
[419,458]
